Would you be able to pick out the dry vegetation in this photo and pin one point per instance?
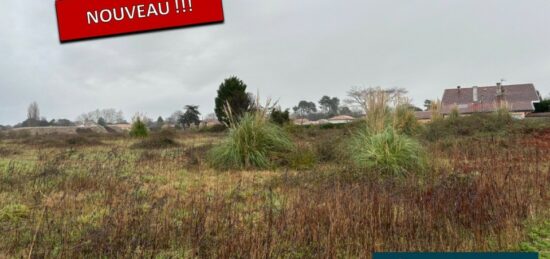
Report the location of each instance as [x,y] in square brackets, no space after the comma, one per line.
[115,197]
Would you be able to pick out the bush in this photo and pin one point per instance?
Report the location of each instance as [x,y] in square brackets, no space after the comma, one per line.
[163,139]
[61,140]
[388,153]
[213,129]
[499,122]
[405,121]
[280,117]
[139,129]
[302,158]
[253,142]
[328,148]
[195,155]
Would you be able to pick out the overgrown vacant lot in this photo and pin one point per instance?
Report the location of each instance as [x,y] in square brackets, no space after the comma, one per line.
[97,196]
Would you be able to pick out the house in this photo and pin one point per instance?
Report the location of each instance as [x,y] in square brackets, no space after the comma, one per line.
[341,119]
[302,121]
[211,122]
[423,116]
[519,99]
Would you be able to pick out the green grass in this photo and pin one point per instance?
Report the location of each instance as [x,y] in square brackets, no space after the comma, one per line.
[389,153]
[253,142]
[539,240]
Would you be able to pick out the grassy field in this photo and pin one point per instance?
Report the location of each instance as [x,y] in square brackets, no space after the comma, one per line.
[106,196]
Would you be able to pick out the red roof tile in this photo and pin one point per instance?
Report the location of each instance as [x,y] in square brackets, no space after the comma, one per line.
[517,97]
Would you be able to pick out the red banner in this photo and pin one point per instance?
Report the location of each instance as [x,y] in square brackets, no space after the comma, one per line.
[84,19]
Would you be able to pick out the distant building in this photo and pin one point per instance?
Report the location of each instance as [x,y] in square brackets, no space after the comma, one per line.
[519,99]
[211,122]
[423,116]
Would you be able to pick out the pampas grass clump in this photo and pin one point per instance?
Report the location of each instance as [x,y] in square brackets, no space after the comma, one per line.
[253,143]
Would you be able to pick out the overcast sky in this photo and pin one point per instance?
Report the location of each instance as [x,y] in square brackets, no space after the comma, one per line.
[286,49]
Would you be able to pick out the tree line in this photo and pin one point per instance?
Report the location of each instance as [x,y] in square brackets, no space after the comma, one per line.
[232,99]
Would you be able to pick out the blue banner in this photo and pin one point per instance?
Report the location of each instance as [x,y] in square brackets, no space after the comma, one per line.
[402,255]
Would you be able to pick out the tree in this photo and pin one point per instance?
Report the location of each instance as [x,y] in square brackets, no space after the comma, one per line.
[190,117]
[62,123]
[110,116]
[232,97]
[344,110]
[305,108]
[325,103]
[427,105]
[329,105]
[543,106]
[359,97]
[160,122]
[174,118]
[33,112]
[279,116]
[101,122]
[139,129]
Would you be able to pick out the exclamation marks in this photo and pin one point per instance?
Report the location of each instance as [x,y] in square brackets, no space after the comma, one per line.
[185,4]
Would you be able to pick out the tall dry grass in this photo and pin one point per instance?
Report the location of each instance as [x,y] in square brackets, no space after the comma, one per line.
[108,201]
[253,141]
[385,145]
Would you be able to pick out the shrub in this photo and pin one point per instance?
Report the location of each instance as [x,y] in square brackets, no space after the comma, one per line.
[253,142]
[328,148]
[302,158]
[388,153]
[163,139]
[405,121]
[280,117]
[139,129]
[214,128]
[195,155]
[499,122]
[61,140]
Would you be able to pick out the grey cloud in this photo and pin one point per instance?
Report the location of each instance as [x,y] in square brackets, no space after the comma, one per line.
[289,50]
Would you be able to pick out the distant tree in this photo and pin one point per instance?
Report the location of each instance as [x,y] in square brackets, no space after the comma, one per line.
[61,123]
[325,103]
[110,116]
[359,97]
[427,105]
[329,105]
[139,129]
[160,121]
[232,95]
[174,118]
[33,117]
[279,116]
[543,106]
[33,112]
[344,110]
[101,122]
[190,117]
[305,108]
